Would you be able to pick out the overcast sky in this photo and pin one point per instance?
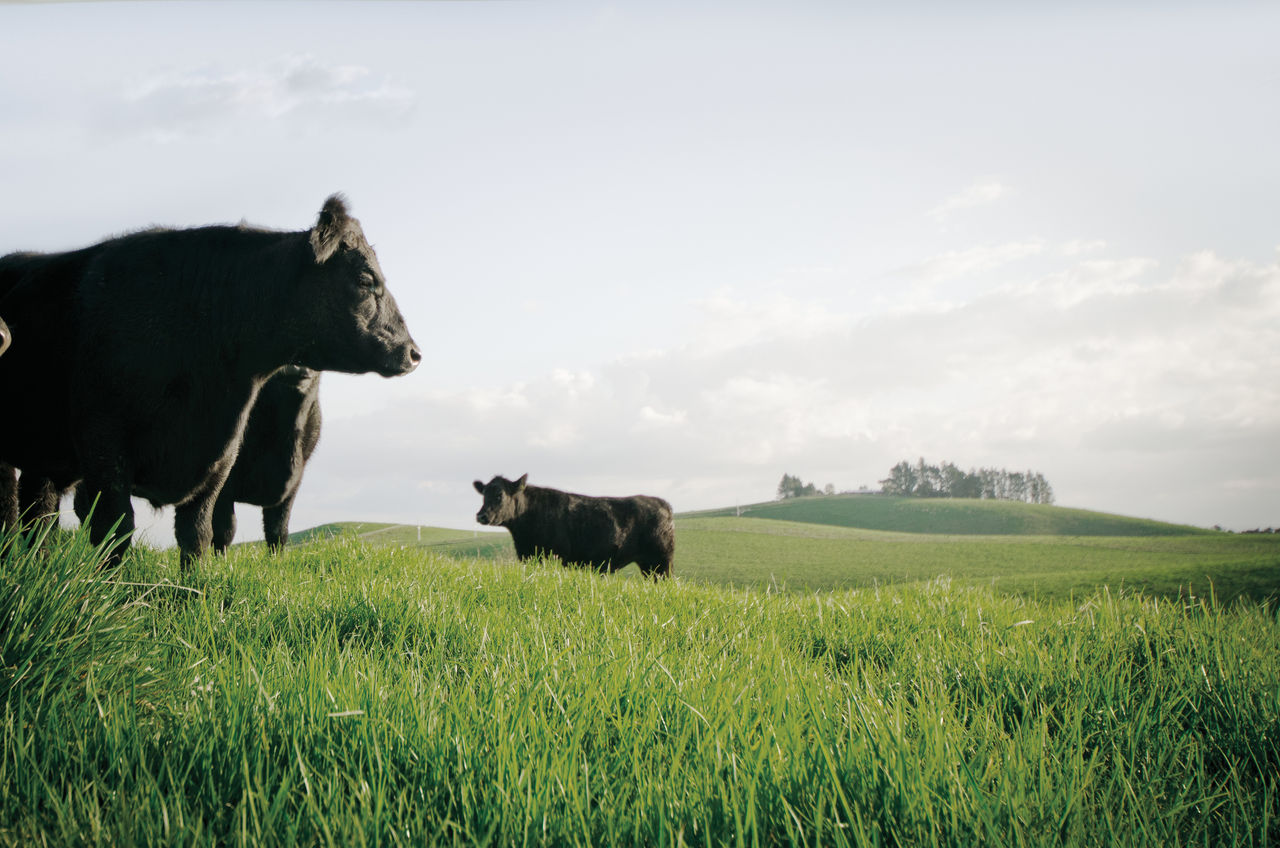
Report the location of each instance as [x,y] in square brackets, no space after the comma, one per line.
[683,248]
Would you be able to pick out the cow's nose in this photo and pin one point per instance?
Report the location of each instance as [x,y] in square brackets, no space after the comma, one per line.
[415,355]
[4,341]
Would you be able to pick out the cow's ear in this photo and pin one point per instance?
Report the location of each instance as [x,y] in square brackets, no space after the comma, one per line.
[326,235]
[479,486]
[518,486]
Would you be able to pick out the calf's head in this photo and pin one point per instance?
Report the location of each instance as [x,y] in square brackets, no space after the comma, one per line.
[504,500]
[351,321]
[4,336]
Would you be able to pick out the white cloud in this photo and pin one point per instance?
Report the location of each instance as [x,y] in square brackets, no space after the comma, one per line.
[650,417]
[973,260]
[978,194]
[1078,247]
[213,101]
[728,320]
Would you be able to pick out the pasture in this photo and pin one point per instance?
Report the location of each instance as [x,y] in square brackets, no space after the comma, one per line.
[851,542]
[349,693]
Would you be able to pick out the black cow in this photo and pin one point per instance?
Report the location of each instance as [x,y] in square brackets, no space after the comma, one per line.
[150,349]
[603,533]
[280,437]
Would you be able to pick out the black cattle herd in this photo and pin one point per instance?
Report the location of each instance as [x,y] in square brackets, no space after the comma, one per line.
[183,366]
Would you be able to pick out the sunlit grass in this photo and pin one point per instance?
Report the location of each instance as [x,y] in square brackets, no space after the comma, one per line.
[343,694]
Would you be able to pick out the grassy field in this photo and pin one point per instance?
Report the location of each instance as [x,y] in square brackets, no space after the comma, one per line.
[830,543]
[403,535]
[350,694]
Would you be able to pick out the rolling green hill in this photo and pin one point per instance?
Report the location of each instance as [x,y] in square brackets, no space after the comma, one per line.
[958,516]
[476,543]
[770,547]
[789,555]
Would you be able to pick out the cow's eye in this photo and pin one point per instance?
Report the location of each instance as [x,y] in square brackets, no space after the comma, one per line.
[368,282]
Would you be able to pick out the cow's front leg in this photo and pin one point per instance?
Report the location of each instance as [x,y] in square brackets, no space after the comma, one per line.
[193,528]
[224,522]
[112,518]
[275,524]
[193,519]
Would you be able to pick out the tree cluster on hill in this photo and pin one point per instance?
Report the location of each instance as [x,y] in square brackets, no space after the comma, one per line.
[793,487]
[922,480]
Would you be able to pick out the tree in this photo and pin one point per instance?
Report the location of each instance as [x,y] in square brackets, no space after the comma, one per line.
[788,486]
[923,480]
[901,481]
[793,487]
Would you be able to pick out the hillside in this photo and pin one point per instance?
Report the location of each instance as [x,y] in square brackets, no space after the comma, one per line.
[793,555]
[790,555]
[952,517]
[478,543]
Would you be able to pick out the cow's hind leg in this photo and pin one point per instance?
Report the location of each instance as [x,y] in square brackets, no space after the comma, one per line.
[38,497]
[8,497]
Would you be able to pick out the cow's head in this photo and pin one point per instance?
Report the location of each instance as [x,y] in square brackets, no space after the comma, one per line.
[4,336]
[504,500]
[351,321]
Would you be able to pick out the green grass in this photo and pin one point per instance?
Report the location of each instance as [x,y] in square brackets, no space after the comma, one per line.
[958,516]
[757,552]
[350,694]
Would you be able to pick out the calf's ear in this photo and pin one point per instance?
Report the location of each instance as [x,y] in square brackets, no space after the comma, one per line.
[518,486]
[326,235]
[479,486]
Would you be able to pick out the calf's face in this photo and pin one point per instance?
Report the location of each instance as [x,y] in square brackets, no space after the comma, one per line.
[503,500]
[4,337]
[352,320]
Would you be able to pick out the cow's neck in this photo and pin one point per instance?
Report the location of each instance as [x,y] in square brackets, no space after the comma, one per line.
[269,337]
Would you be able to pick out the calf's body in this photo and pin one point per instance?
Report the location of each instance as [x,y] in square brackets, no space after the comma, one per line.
[598,532]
